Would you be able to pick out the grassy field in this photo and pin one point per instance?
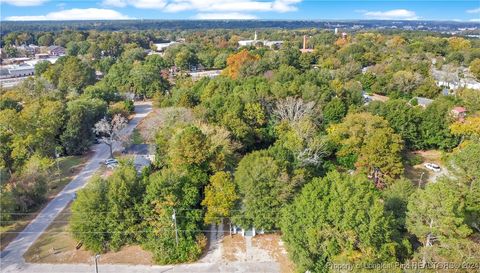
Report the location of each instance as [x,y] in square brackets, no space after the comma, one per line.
[56,245]
[69,167]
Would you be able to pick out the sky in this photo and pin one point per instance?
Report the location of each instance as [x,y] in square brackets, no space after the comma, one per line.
[33,10]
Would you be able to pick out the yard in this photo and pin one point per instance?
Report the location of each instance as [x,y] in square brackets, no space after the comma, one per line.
[69,167]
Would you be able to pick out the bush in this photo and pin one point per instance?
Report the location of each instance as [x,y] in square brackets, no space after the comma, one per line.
[129,105]
[119,108]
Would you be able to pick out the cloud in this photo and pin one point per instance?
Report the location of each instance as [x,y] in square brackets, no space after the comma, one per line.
[73,14]
[115,3]
[209,6]
[23,3]
[394,14]
[473,10]
[474,20]
[224,16]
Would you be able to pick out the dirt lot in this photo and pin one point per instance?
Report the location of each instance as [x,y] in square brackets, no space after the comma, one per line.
[56,245]
[418,172]
[273,244]
[69,167]
[231,246]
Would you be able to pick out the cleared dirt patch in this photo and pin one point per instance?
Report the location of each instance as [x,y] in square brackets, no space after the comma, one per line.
[56,245]
[418,173]
[233,246]
[273,244]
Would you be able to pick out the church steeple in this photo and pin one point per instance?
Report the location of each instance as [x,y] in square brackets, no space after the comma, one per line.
[255,36]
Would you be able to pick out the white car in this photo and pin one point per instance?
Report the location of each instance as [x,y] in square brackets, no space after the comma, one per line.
[110,161]
[112,166]
[433,167]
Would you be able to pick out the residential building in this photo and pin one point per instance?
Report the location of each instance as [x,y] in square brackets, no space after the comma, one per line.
[56,51]
[162,46]
[420,101]
[255,41]
[459,112]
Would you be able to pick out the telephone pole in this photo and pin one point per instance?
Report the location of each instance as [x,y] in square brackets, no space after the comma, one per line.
[174,217]
[96,262]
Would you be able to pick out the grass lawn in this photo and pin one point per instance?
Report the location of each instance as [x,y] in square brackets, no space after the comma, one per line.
[69,167]
[56,245]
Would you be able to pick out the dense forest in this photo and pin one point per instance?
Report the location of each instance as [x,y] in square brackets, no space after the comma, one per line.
[282,141]
[172,25]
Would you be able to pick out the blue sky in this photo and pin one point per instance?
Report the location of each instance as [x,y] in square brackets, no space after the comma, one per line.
[462,10]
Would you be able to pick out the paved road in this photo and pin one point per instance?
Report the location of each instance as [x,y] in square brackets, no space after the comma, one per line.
[12,256]
[193,268]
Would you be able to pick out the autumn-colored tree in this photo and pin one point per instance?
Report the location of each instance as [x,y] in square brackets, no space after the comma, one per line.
[469,128]
[220,197]
[459,43]
[236,61]
[475,68]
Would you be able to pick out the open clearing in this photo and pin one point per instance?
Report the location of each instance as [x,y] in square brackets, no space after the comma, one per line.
[418,173]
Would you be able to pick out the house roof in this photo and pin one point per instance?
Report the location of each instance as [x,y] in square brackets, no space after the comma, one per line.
[459,109]
[139,149]
[423,101]
[53,47]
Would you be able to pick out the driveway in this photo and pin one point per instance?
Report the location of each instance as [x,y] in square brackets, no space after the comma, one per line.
[12,256]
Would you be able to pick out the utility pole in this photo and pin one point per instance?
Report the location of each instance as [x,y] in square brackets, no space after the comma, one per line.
[96,263]
[420,182]
[174,217]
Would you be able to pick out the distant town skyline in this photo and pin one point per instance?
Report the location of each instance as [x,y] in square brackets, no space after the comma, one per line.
[32,10]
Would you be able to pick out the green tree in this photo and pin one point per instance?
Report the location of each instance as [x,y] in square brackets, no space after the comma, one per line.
[45,40]
[264,188]
[403,118]
[75,75]
[35,129]
[436,216]
[434,127]
[340,219]
[146,80]
[82,113]
[185,59]
[87,222]
[124,194]
[171,193]
[41,67]
[464,163]
[334,111]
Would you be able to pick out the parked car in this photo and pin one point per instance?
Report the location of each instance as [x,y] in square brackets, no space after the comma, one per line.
[110,161]
[433,167]
[112,165]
